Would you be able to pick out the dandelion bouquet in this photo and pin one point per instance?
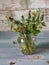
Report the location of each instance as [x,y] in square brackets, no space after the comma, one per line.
[33,24]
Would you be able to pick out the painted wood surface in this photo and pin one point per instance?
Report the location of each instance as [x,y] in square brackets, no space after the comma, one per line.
[10,52]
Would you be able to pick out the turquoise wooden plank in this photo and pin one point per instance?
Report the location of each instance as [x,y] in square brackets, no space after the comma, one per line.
[31,62]
[10,35]
[7,53]
[23,62]
[7,61]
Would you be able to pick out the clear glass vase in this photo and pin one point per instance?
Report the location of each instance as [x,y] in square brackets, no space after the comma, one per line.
[26,43]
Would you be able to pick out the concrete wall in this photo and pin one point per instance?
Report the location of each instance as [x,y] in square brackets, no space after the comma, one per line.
[16,8]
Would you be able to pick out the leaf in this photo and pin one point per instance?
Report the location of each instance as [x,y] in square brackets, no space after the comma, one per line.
[19,40]
[23,20]
[42,17]
[29,15]
[43,24]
